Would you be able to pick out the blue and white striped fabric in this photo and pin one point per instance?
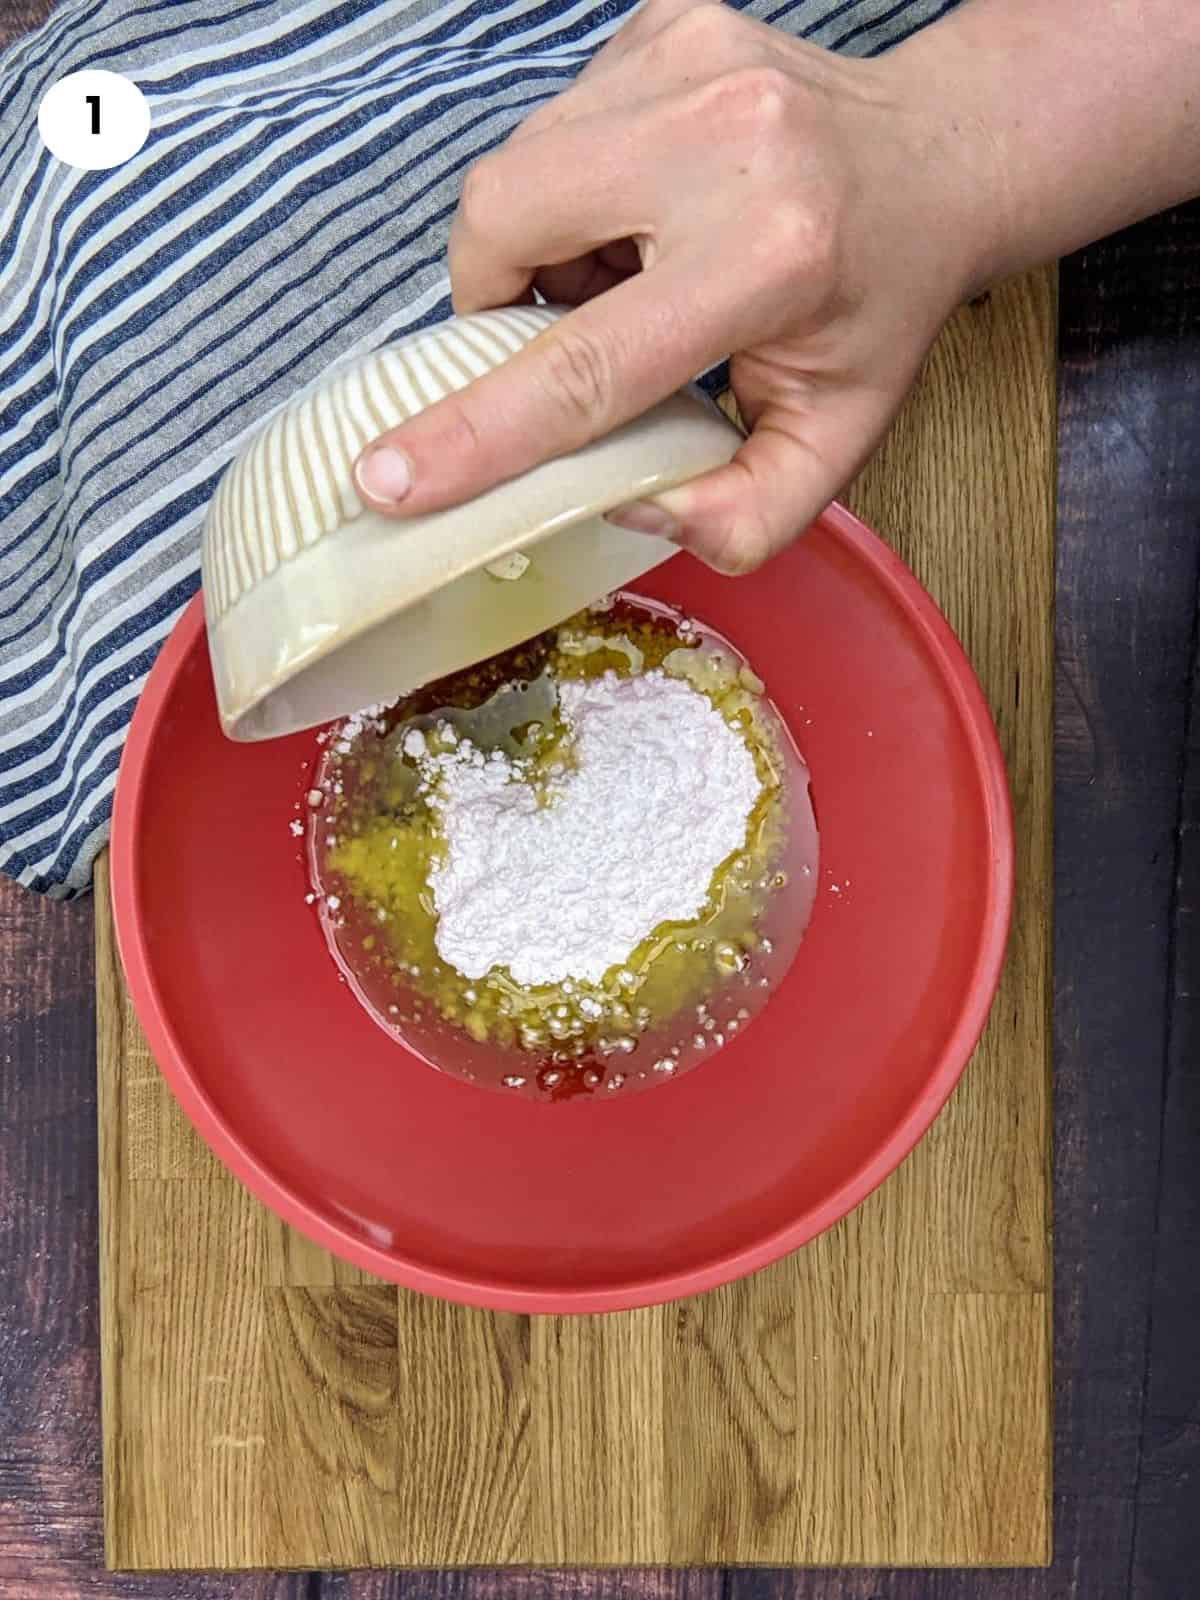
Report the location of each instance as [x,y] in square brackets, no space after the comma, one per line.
[290,207]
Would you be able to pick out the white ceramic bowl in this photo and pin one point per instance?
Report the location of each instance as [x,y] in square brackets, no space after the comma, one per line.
[317,605]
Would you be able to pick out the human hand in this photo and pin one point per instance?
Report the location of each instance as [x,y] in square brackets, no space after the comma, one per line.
[710,186]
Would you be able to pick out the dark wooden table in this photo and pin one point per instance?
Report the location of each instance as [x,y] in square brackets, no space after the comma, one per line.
[1127,1025]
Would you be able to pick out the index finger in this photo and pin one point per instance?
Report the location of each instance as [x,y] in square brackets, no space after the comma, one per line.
[524,206]
[596,368]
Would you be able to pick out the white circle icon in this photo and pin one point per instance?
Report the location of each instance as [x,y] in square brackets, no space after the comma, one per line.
[94,119]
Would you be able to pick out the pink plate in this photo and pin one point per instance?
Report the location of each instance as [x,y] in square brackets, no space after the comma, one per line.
[582,1207]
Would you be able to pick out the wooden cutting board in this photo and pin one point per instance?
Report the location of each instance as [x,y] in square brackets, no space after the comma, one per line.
[882,1397]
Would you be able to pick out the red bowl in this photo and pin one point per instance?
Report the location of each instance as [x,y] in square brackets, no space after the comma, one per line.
[426,1180]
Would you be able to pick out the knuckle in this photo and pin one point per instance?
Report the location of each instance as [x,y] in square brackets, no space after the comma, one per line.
[696,35]
[703,24]
[761,98]
[453,434]
[458,246]
[578,376]
[462,435]
[744,548]
[479,194]
[654,14]
[770,96]
[803,232]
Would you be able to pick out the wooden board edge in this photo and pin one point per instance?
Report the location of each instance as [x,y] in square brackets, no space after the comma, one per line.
[1052,283]
[109,1012]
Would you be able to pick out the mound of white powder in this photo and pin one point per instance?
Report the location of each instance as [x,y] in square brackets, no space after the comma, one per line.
[659,794]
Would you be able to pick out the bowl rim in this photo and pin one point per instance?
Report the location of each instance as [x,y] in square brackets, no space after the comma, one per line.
[644,1290]
[624,477]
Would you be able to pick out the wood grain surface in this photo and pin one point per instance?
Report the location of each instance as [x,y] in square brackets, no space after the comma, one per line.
[882,1397]
[1127,1091]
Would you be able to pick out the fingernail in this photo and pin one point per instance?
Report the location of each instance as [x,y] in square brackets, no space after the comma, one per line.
[384,473]
[643,516]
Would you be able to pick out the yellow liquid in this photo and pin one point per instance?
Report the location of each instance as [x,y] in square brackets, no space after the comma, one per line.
[374,840]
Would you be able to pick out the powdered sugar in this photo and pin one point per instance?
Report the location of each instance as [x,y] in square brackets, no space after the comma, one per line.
[658,795]
[355,725]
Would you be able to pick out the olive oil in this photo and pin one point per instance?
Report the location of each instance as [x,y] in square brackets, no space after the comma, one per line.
[684,991]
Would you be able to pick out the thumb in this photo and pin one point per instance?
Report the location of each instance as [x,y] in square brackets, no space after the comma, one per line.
[789,469]
[594,369]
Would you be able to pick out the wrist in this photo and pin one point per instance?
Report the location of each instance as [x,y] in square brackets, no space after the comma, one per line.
[972,176]
[1078,116]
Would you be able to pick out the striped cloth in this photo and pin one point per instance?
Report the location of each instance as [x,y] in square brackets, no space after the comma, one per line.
[290,208]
